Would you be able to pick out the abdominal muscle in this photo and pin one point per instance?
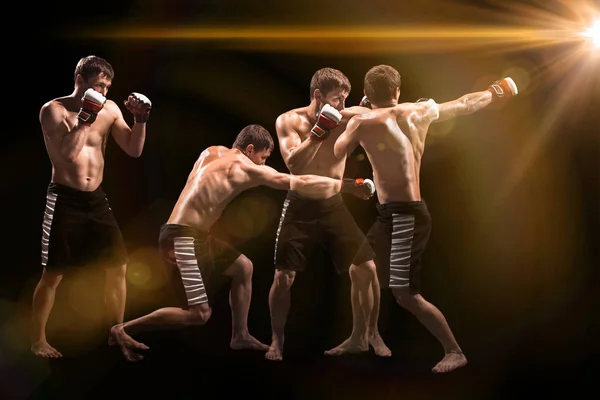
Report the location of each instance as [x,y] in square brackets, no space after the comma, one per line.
[85,173]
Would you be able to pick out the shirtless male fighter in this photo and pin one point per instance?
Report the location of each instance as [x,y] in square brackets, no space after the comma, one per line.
[185,241]
[79,228]
[306,138]
[401,232]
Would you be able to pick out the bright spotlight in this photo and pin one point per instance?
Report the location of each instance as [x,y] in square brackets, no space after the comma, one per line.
[593,32]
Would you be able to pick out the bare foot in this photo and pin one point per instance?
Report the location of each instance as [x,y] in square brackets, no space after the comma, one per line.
[379,346]
[349,346]
[126,343]
[275,352]
[44,350]
[248,342]
[450,362]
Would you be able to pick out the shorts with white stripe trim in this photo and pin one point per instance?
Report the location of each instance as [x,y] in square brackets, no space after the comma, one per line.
[79,229]
[399,237]
[306,223]
[200,260]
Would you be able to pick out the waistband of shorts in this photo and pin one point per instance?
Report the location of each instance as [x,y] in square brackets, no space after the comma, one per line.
[328,202]
[402,207]
[169,231]
[64,191]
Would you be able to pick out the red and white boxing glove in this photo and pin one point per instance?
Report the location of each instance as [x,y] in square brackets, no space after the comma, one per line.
[327,119]
[91,104]
[504,88]
[140,106]
[361,188]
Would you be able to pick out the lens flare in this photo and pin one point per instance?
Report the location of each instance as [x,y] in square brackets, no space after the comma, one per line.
[593,32]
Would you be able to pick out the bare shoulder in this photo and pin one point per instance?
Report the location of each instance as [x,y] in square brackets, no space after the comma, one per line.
[290,120]
[53,110]
[421,111]
[111,106]
[54,105]
[239,162]
[215,151]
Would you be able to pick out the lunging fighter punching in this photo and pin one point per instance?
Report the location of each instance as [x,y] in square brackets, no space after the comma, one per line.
[199,259]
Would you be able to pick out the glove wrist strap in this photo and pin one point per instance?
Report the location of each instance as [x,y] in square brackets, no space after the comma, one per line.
[348,185]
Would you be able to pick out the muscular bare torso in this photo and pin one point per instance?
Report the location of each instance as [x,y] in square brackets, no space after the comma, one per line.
[86,171]
[218,176]
[394,141]
[324,162]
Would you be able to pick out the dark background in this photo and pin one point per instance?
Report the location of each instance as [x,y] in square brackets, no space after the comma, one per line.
[513,192]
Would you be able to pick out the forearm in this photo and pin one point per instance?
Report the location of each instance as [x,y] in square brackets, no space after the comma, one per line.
[465,105]
[475,101]
[137,138]
[314,184]
[304,154]
[72,142]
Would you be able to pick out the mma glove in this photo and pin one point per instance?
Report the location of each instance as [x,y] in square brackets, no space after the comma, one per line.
[503,88]
[91,104]
[140,106]
[327,120]
[365,102]
[361,188]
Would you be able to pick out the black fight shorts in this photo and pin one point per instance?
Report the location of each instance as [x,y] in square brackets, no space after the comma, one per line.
[79,229]
[399,237]
[305,222]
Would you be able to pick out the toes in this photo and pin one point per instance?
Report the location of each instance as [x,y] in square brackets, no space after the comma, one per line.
[130,355]
[140,346]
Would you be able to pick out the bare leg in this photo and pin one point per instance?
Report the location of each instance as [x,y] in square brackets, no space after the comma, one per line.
[361,298]
[163,318]
[436,323]
[43,301]
[279,305]
[240,297]
[375,339]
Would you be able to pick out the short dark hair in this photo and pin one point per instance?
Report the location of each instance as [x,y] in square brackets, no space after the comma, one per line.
[255,135]
[328,79]
[91,66]
[381,82]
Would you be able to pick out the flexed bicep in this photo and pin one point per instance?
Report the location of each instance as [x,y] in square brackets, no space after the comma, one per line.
[288,144]
[130,140]
[53,121]
[296,153]
[67,141]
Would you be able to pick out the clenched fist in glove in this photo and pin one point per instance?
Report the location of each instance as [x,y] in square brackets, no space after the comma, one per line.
[361,188]
[504,88]
[327,119]
[365,102]
[140,106]
[91,104]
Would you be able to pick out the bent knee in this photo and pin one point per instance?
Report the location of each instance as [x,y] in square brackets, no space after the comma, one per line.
[50,279]
[200,314]
[284,279]
[116,273]
[364,272]
[242,268]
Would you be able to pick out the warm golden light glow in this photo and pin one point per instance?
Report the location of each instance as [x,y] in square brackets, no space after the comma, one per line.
[351,39]
[593,32]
